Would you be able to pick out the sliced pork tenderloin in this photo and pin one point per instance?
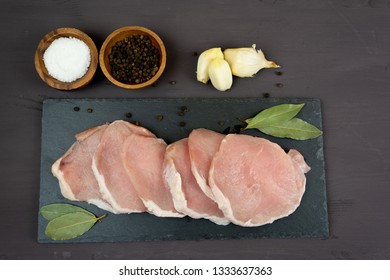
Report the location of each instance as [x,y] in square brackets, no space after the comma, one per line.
[114,183]
[203,144]
[74,169]
[254,181]
[187,196]
[143,161]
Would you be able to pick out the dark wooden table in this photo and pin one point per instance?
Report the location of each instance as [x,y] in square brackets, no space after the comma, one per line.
[338,51]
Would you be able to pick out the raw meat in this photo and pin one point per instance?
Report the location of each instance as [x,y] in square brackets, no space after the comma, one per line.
[187,196]
[143,160]
[203,144]
[74,169]
[299,160]
[114,184]
[254,181]
[236,178]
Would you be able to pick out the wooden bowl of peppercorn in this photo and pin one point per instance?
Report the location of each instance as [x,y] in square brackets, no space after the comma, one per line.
[42,67]
[133,57]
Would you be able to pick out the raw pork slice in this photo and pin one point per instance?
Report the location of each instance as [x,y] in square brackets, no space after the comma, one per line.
[74,169]
[114,184]
[203,144]
[254,181]
[187,196]
[143,161]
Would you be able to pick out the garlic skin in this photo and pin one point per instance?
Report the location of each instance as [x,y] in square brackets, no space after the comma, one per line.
[202,73]
[246,62]
[220,74]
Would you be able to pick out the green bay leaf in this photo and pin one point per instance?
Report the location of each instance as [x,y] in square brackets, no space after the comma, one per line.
[275,114]
[70,225]
[54,210]
[295,129]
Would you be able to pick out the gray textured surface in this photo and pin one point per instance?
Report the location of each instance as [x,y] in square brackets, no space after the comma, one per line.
[338,51]
[60,122]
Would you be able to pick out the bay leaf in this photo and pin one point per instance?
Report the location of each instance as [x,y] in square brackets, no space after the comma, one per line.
[54,210]
[295,129]
[70,225]
[274,114]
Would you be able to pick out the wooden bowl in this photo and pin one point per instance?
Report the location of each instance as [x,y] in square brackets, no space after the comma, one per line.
[45,43]
[121,34]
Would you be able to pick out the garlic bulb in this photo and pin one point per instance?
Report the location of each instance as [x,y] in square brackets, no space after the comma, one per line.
[220,74]
[245,62]
[204,59]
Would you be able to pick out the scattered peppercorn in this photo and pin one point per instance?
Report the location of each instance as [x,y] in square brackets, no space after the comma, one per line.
[266,95]
[172,83]
[129,115]
[221,123]
[279,85]
[159,117]
[76,109]
[182,124]
[183,111]
[279,73]
[89,110]
[134,59]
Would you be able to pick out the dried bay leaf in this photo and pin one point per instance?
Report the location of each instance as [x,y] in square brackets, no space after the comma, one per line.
[280,121]
[70,225]
[273,115]
[295,129]
[54,210]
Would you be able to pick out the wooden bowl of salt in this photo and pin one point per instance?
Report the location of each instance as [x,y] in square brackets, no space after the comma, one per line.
[66,59]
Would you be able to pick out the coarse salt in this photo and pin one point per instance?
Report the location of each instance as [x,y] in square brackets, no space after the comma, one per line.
[67,59]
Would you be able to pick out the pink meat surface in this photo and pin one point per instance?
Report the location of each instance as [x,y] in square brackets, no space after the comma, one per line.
[254,181]
[74,169]
[203,144]
[143,160]
[187,196]
[114,183]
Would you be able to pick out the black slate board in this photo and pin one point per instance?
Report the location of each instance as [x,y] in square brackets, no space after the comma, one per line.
[62,118]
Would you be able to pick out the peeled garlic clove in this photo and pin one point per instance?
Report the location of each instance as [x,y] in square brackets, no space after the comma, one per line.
[246,62]
[220,74]
[204,59]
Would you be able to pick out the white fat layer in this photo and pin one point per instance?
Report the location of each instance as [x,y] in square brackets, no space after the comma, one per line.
[226,208]
[154,209]
[202,182]
[173,179]
[222,221]
[102,205]
[66,191]
[106,194]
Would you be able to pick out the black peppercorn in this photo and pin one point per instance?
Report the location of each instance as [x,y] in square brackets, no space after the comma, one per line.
[279,85]
[134,59]
[159,117]
[266,95]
